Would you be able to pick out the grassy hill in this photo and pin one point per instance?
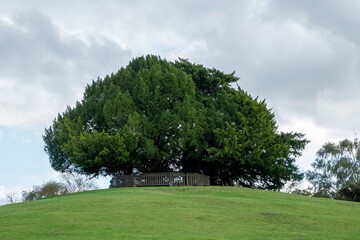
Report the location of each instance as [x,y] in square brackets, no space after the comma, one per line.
[181,213]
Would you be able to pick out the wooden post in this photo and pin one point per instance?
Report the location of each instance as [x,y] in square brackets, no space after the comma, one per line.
[171,180]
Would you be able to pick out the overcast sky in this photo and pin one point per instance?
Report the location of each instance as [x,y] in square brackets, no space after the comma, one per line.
[301,56]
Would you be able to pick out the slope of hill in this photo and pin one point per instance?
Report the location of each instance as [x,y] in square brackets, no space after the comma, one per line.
[181,213]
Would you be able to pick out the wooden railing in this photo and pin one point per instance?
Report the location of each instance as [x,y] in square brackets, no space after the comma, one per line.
[160,179]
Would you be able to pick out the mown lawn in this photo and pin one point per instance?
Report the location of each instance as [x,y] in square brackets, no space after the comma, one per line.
[181,213]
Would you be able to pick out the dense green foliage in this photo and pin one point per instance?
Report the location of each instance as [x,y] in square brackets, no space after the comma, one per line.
[156,115]
[350,192]
[181,213]
[336,170]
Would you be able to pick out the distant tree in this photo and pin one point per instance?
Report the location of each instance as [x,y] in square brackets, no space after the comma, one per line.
[70,183]
[12,197]
[48,189]
[336,168]
[156,115]
[294,187]
[77,183]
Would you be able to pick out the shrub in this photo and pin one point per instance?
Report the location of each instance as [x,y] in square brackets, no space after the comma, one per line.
[48,189]
[350,192]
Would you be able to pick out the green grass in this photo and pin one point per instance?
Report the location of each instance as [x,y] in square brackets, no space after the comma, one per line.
[181,213]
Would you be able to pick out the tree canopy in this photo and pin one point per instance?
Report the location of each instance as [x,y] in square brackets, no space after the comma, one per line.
[156,115]
[336,170]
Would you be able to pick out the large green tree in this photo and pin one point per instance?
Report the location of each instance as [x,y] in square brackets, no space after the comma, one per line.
[155,115]
[336,170]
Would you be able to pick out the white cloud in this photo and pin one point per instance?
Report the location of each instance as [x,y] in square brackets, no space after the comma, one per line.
[34,177]
[317,134]
[26,105]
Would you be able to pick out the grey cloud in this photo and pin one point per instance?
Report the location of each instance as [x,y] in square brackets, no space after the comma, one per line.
[303,57]
[301,65]
[338,17]
[36,47]
[37,58]
[291,53]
